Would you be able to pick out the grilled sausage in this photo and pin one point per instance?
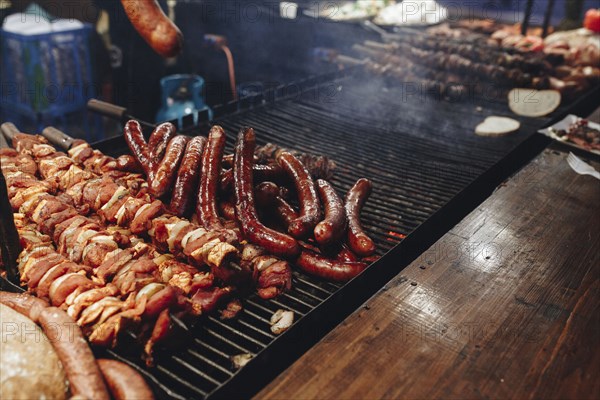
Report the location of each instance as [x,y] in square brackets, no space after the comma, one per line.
[359,242]
[275,242]
[333,227]
[206,207]
[25,304]
[154,27]
[137,144]
[77,359]
[266,193]
[284,211]
[346,255]
[166,171]
[227,210]
[124,382]
[187,177]
[333,270]
[310,206]
[269,172]
[262,172]
[157,144]
[128,163]
[226,181]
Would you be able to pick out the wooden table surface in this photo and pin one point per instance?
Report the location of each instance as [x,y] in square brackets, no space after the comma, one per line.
[505,305]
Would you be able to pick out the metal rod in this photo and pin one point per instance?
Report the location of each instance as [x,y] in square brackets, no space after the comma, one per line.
[526,17]
[9,130]
[547,17]
[57,137]
[3,143]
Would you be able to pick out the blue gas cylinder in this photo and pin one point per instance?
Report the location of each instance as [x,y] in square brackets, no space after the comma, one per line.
[181,95]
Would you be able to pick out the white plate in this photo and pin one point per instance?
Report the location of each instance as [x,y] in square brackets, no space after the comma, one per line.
[564,125]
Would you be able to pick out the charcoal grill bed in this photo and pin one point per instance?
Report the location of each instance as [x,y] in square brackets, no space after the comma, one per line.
[428,170]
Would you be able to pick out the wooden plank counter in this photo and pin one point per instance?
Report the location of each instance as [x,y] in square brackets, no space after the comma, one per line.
[505,305]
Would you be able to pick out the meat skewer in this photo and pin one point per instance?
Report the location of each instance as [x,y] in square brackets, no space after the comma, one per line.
[198,244]
[54,276]
[451,63]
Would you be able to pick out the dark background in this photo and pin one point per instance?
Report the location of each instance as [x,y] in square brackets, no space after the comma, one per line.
[266,48]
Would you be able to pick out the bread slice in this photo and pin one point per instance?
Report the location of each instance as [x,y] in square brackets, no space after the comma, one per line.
[497,126]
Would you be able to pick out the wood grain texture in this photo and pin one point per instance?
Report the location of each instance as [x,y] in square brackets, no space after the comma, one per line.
[505,305]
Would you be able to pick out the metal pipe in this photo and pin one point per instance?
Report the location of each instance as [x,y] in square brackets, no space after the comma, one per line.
[547,17]
[9,130]
[526,17]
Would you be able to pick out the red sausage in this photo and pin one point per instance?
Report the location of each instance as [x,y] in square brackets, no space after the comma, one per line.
[166,171]
[262,172]
[157,144]
[137,144]
[187,177]
[206,208]
[265,193]
[358,240]
[154,26]
[227,210]
[25,304]
[345,254]
[275,242]
[310,206]
[333,227]
[226,181]
[124,382]
[128,163]
[269,172]
[284,211]
[333,270]
[85,378]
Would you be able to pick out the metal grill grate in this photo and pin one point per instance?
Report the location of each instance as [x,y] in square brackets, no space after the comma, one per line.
[419,154]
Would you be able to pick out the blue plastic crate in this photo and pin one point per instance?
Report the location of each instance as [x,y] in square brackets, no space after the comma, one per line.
[47,75]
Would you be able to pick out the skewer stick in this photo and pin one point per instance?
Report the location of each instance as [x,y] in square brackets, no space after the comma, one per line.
[526,17]
[547,17]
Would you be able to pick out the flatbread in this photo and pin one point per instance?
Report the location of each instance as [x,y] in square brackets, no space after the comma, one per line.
[497,126]
[533,103]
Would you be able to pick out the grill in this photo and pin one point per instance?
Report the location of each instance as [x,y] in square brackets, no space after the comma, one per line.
[428,171]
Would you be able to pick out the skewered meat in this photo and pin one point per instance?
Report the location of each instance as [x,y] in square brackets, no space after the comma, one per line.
[201,246]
